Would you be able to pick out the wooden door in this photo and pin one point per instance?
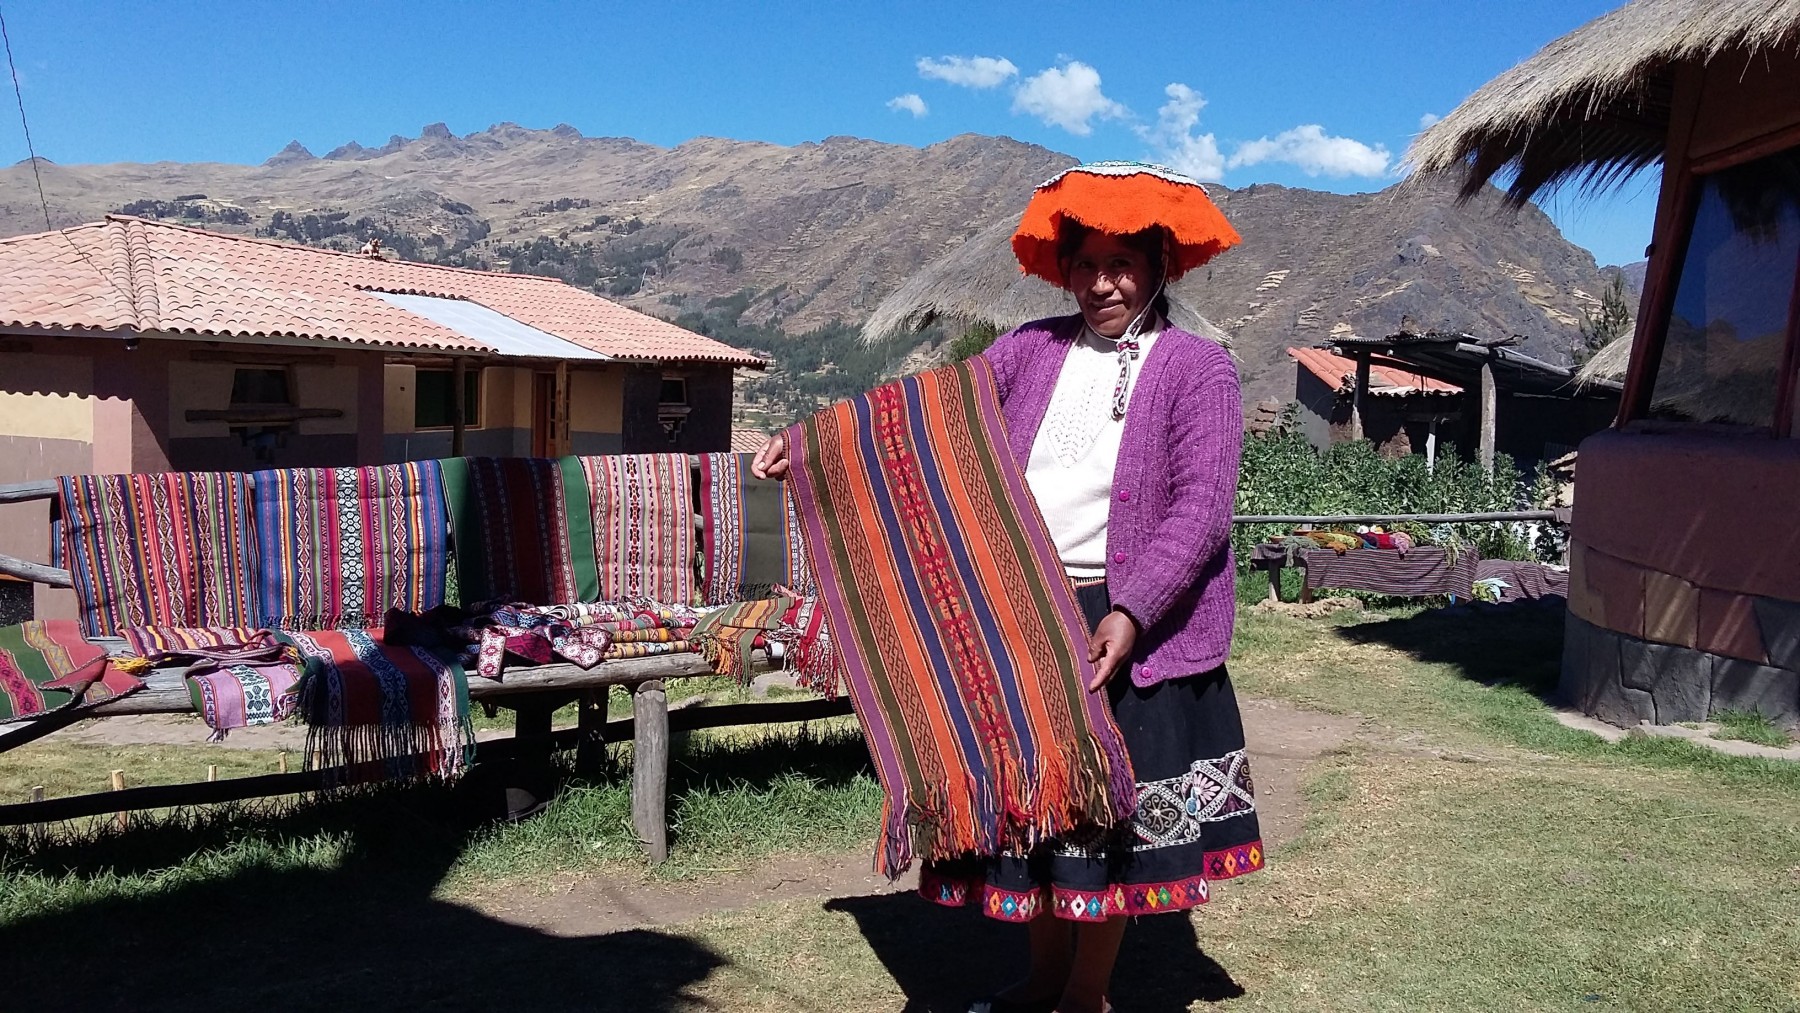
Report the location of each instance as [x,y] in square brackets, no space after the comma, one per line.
[543,414]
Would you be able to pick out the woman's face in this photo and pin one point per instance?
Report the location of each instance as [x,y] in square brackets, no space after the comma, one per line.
[1111,281]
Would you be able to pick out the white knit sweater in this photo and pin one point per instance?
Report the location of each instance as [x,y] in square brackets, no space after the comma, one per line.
[1071,467]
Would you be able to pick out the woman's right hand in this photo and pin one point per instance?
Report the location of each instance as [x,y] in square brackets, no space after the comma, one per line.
[772,460]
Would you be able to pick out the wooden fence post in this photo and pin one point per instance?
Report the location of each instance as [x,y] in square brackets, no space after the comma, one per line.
[118,784]
[650,768]
[39,831]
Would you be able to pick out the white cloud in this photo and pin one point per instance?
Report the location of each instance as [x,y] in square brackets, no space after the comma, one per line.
[1428,119]
[1174,140]
[1315,153]
[908,102]
[1068,97]
[968,71]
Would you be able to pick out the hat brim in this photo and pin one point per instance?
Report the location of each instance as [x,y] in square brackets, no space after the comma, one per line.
[1122,205]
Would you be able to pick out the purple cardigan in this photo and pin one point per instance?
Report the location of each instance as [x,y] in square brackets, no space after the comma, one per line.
[1168,529]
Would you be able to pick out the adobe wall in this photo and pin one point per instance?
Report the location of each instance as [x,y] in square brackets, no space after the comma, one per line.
[1684,584]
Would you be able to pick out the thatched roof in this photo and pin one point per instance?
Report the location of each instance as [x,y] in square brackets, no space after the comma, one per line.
[980,282]
[1593,106]
[1607,364]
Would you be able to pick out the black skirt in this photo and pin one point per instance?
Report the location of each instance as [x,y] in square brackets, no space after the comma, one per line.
[1195,822]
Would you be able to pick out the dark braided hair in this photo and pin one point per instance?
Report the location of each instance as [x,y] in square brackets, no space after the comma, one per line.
[1149,242]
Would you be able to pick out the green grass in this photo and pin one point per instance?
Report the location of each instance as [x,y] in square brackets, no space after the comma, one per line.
[1751,727]
[1464,852]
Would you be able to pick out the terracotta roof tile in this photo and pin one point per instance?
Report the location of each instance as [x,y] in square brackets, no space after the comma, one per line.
[131,274]
[1339,373]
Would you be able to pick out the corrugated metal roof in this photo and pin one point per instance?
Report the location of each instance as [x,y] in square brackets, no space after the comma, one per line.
[497,330]
[1339,373]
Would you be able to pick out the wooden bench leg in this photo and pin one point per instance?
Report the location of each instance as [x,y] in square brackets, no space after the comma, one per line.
[1275,584]
[590,751]
[650,768]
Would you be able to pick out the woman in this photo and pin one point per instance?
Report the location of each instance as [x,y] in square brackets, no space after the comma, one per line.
[1129,432]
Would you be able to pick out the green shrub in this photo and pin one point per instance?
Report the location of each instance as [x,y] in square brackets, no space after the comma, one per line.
[1283,474]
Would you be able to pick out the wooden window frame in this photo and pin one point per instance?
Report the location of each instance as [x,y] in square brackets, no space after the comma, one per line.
[480,374]
[1640,383]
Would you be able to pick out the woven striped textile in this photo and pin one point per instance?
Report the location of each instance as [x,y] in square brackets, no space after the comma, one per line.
[524,530]
[751,538]
[643,526]
[150,641]
[45,665]
[338,547]
[381,710]
[174,549]
[238,686]
[958,635]
[1425,571]
[792,629]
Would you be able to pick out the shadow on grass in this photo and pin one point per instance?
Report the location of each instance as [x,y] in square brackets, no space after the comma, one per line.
[942,959]
[1517,644]
[325,906]
[329,903]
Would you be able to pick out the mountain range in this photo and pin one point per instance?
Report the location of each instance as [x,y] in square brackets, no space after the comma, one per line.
[817,232]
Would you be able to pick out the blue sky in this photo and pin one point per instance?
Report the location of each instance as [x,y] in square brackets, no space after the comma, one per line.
[1305,93]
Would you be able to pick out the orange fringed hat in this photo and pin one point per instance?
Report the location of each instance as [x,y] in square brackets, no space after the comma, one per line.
[1121,198]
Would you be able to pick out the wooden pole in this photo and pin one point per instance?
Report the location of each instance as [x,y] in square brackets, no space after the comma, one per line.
[650,768]
[1490,404]
[282,762]
[38,830]
[212,772]
[1359,397]
[1431,444]
[458,375]
[118,784]
[559,416]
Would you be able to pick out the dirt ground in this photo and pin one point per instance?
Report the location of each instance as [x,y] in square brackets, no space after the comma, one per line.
[1283,741]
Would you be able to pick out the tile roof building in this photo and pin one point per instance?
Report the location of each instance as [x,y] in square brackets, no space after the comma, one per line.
[130,345]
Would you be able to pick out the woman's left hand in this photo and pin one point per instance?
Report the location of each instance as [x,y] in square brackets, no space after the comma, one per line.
[1110,647]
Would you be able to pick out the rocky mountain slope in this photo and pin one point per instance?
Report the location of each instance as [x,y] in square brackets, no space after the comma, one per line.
[822,231]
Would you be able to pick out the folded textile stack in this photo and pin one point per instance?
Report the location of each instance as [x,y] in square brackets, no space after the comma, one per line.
[792,628]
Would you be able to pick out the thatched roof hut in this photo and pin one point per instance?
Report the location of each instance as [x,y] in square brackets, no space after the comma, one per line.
[980,282]
[1594,105]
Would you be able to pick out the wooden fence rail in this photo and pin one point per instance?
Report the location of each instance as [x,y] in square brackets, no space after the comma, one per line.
[268,785]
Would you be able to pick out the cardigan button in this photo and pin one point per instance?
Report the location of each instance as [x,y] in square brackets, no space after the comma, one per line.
[1144,670]
[1118,557]
[1125,496]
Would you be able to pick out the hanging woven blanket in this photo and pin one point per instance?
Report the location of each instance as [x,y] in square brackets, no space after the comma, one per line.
[339,547]
[383,711]
[789,629]
[955,627]
[643,527]
[174,549]
[47,664]
[524,529]
[750,534]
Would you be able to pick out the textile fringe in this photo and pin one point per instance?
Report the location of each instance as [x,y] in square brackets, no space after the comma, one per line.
[369,753]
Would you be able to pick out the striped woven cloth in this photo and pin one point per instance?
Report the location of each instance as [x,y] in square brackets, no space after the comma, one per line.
[956,629]
[46,665]
[382,711]
[524,529]
[750,535]
[1426,571]
[175,549]
[339,547]
[643,526]
[578,529]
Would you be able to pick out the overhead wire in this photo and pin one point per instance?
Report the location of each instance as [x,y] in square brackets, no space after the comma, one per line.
[37,175]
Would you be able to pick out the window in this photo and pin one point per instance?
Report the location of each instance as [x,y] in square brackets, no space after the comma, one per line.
[674,390]
[432,407]
[1721,360]
[261,386]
